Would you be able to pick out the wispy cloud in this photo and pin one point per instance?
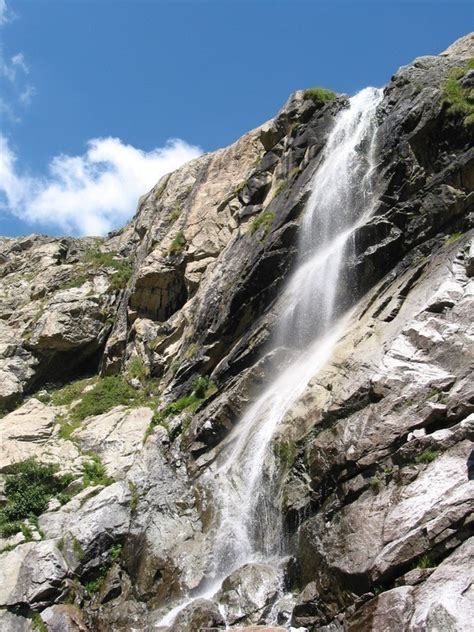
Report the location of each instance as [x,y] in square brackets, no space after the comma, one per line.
[5,13]
[27,94]
[13,76]
[88,194]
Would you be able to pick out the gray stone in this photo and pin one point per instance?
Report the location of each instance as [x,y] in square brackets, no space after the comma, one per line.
[33,574]
[64,618]
[249,592]
[201,613]
[10,622]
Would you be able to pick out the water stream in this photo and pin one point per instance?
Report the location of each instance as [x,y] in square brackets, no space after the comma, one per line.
[245,478]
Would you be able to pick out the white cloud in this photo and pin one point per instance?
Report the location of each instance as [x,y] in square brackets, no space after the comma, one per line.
[88,194]
[4,12]
[27,94]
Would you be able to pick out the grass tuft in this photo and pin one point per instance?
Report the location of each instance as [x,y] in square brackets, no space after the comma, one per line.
[263,221]
[425,561]
[94,472]
[137,369]
[459,100]
[202,389]
[178,243]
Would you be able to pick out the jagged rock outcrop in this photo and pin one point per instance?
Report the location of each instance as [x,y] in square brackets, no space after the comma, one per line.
[170,319]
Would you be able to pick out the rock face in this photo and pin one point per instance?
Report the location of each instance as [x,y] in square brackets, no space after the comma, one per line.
[169,320]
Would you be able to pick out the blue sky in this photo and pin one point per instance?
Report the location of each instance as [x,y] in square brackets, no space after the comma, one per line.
[92,90]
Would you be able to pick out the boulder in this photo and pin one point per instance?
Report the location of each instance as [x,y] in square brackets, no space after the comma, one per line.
[32,575]
[200,614]
[88,526]
[13,623]
[30,432]
[249,592]
[64,618]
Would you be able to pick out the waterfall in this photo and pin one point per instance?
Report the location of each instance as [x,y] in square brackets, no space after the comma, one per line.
[245,480]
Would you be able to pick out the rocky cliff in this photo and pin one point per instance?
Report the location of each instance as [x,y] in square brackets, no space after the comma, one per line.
[126,362]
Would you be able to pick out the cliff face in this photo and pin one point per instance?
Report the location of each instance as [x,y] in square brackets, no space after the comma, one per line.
[128,361]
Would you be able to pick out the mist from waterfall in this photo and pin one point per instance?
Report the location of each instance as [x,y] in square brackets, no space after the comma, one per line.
[245,480]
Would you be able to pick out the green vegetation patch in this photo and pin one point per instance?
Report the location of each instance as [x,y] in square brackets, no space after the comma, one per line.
[427,456]
[161,189]
[65,395]
[134,497]
[77,548]
[38,623]
[137,369]
[375,482]
[94,472]
[425,561]
[264,220]
[458,99]
[94,585]
[107,393]
[29,486]
[94,259]
[452,238]
[178,243]
[320,96]
[285,451]
[202,389]
[192,351]
[175,214]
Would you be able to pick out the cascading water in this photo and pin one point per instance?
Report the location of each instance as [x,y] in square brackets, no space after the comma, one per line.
[244,480]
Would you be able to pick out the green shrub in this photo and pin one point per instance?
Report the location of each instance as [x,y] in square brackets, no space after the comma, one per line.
[107,393]
[203,387]
[427,456]
[7,529]
[94,585]
[457,99]
[264,220]
[29,486]
[94,472]
[320,96]
[178,243]
[115,552]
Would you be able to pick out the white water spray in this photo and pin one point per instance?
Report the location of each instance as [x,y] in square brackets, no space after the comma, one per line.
[245,481]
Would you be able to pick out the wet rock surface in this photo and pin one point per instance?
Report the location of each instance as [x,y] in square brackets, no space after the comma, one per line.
[377,500]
